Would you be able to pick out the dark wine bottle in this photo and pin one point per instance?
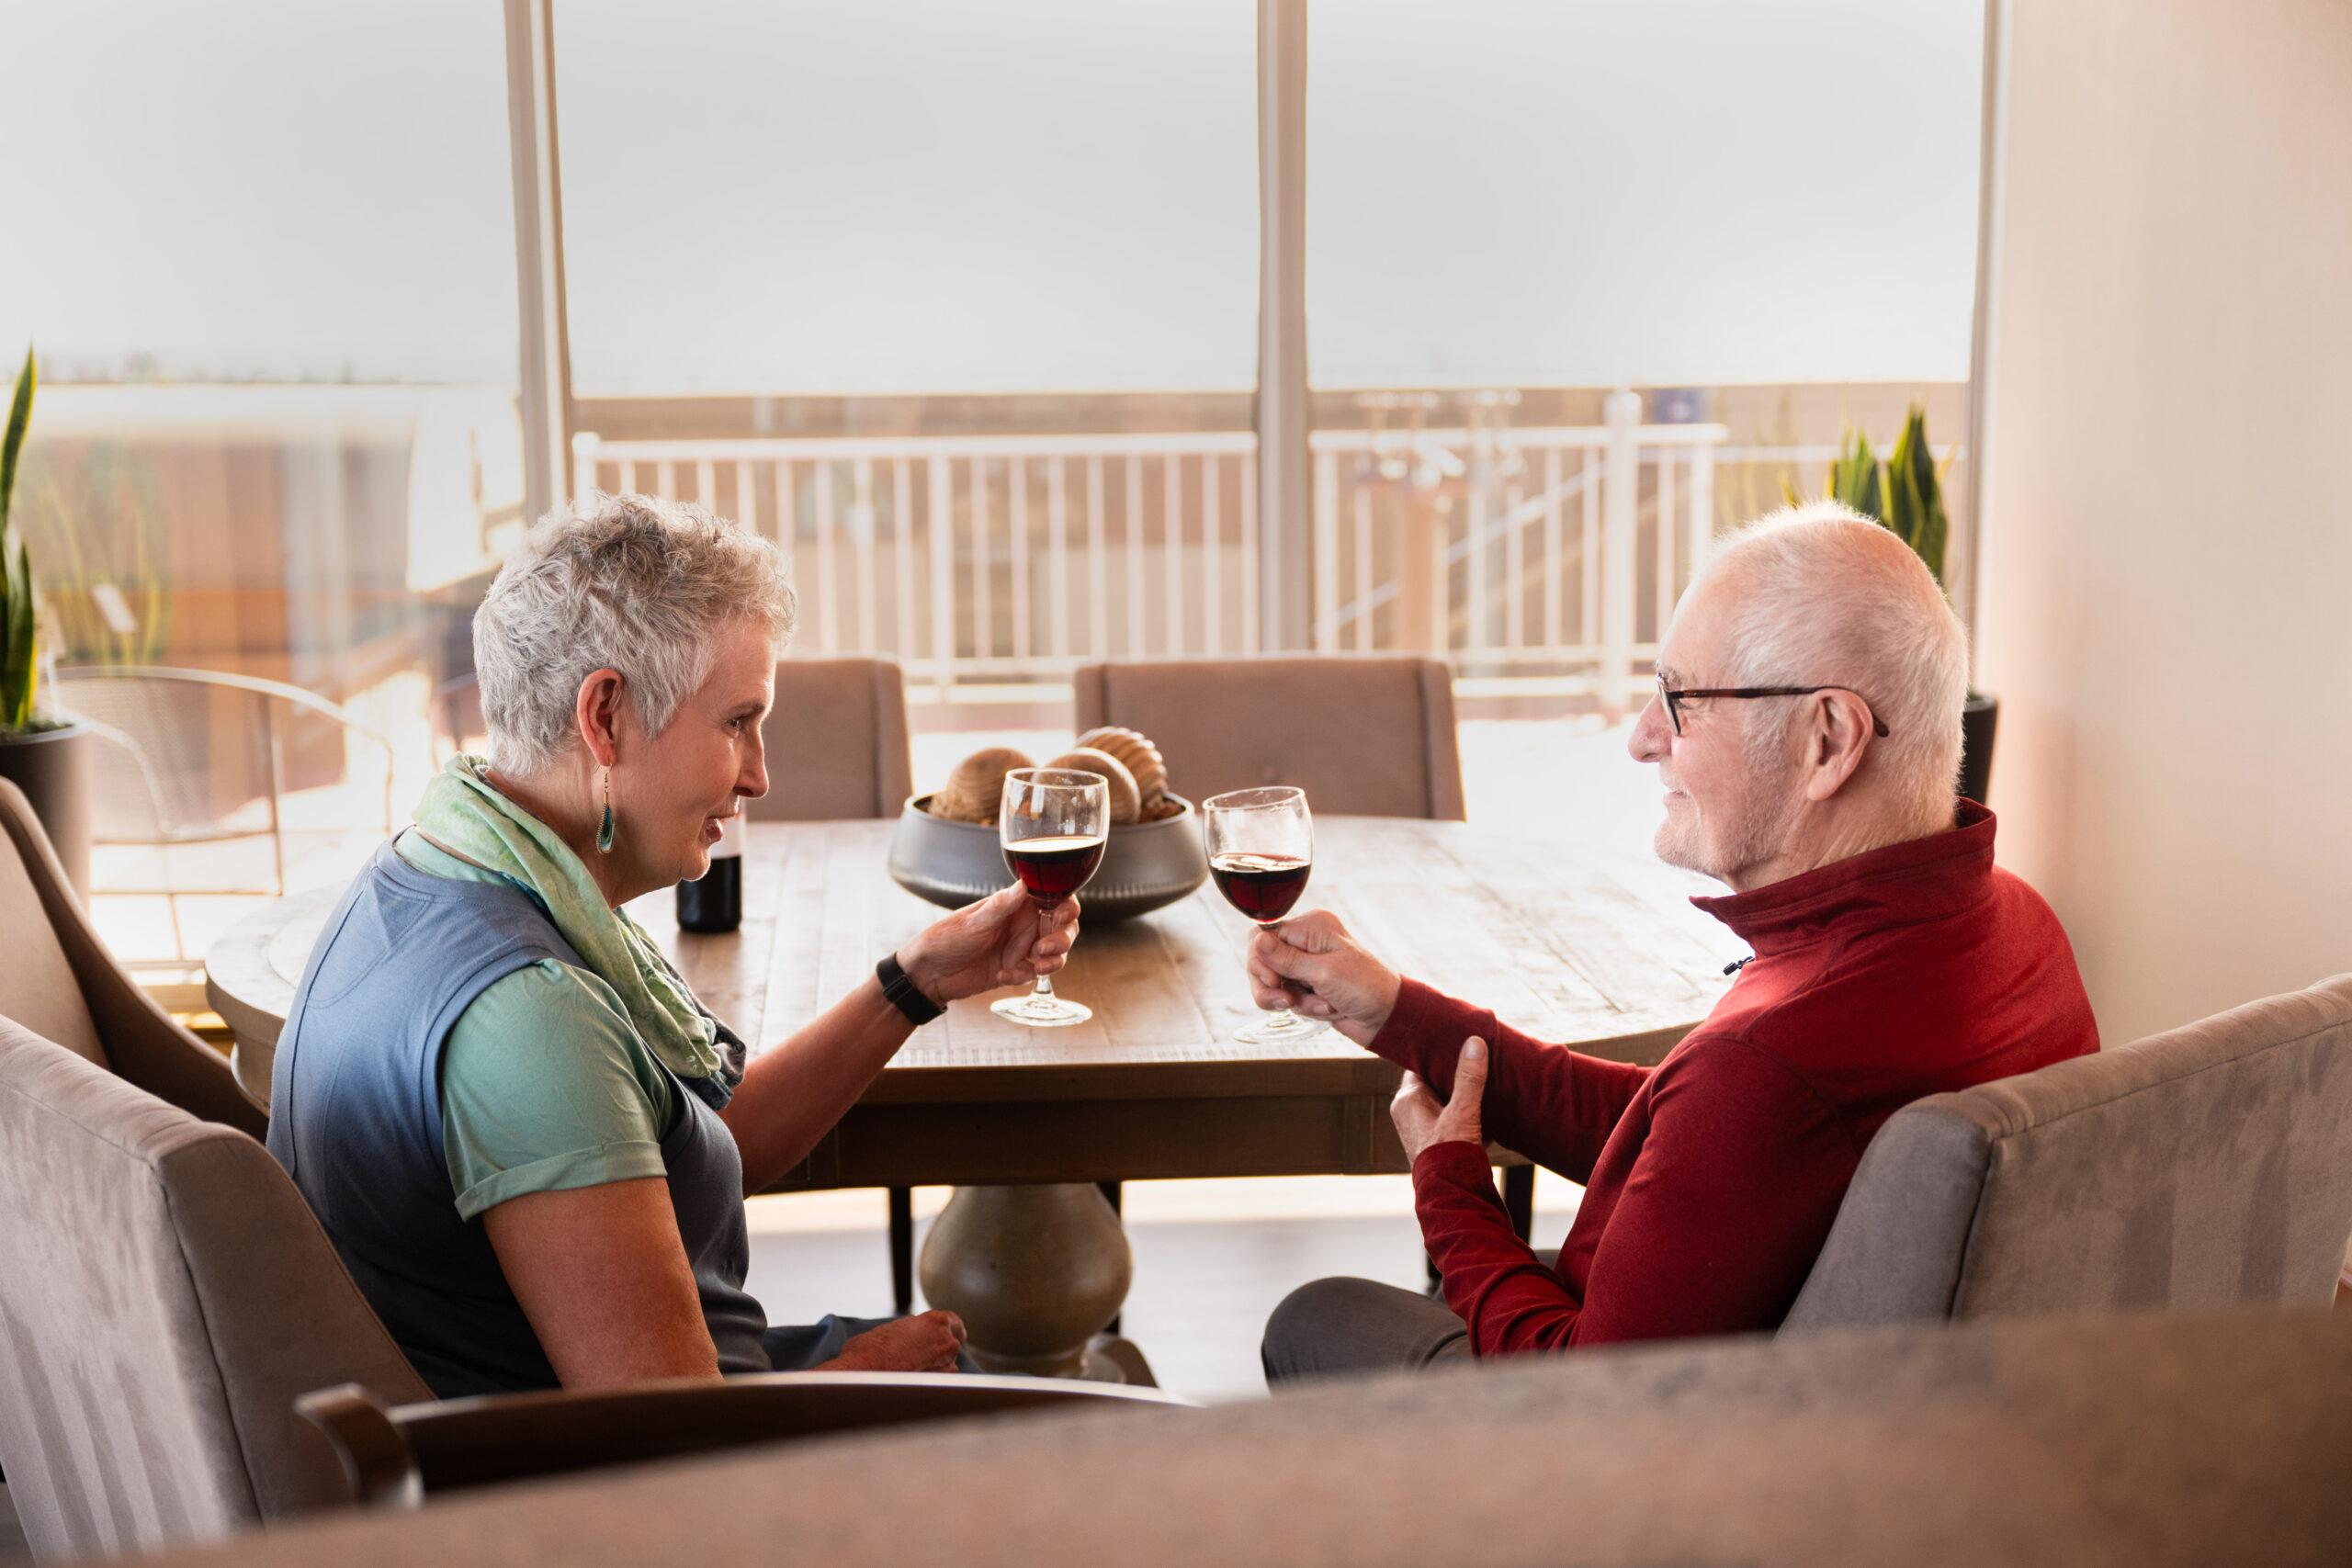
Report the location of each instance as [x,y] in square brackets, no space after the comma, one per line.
[715,902]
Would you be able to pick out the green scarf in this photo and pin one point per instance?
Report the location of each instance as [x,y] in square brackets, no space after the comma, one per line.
[463,812]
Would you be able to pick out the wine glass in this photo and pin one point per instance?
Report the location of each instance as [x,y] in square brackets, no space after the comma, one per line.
[1261,847]
[1054,823]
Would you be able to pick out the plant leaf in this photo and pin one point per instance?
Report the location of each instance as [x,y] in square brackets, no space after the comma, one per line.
[20,414]
[16,668]
[1933,529]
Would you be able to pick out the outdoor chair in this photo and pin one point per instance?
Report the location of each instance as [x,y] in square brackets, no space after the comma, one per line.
[60,982]
[2208,1167]
[189,758]
[455,715]
[168,1298]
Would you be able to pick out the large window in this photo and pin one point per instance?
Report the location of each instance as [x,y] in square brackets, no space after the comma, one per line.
[1759,219]
[265,249]
[911,197]
[957,302]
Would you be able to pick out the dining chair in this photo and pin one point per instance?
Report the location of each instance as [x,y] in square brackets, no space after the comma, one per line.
[1363,735]
[168,1298]
[60,982]
[2207,1167]
[836,743]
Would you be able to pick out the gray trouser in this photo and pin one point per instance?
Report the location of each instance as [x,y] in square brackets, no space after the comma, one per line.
[1340,1326]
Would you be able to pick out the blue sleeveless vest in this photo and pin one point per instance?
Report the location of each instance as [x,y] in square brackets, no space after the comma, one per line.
[355,1120]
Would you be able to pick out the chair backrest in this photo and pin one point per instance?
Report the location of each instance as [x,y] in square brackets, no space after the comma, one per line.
[1372,736]
[836,741]
[2208,1167]
[38,985]
[166,1298]
[61,983]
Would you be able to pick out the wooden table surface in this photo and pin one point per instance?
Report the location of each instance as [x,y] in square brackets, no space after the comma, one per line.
[1602,953]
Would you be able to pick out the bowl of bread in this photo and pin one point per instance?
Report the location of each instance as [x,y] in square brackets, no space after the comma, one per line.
[947,848]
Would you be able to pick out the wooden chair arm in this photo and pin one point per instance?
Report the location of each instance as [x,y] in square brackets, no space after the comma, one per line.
[397,1457]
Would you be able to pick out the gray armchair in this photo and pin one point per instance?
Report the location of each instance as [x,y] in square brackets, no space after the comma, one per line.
[60,982]
[168,1298]
[2210,1167]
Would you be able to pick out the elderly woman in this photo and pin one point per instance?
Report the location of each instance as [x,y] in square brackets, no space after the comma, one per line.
[525,1136]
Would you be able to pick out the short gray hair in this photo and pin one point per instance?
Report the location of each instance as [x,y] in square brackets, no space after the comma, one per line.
[1830,595]
[624,581]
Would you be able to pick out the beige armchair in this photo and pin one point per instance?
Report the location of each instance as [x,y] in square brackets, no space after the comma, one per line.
[60,982]
[1367,736]
[167,1298]
[2206,1168]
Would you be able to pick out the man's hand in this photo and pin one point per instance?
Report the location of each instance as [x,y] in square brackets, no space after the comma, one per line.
[1421,1120]
[926,1342]
[999,941]
[1310,964]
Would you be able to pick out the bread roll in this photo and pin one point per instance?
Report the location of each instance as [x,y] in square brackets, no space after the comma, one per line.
[1141,758]
[1126,801]
[976,788]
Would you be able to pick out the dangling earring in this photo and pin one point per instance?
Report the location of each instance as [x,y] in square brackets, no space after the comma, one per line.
[605,834]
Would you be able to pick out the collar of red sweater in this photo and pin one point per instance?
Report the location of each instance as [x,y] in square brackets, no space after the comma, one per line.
[1919,879]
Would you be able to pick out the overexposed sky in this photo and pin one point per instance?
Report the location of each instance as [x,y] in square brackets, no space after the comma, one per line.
[998,195]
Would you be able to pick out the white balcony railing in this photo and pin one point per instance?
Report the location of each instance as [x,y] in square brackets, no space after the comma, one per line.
[976,559]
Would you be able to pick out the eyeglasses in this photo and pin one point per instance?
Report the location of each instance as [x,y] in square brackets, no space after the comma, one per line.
[1674,700]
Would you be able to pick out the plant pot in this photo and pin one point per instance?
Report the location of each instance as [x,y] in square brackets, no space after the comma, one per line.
[1978,719]
[52,767]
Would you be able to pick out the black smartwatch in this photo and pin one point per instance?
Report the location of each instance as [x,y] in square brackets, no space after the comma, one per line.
[903,993]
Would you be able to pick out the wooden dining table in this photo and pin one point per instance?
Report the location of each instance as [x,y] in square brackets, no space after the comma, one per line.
[1599,952]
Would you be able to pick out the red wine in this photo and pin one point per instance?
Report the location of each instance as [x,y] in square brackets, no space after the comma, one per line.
[1053,868]
[1262,887]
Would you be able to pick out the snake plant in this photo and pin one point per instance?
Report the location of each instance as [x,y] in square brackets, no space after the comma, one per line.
[1903,493]
[18,657]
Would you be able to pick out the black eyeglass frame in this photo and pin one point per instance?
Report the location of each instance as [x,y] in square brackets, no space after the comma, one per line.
[1674,699]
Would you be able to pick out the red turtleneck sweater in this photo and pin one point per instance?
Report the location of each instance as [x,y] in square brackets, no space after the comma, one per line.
[1711,1179]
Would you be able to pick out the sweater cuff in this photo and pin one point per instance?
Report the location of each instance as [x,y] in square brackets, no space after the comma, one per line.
[1452,1162]
[1423,1014]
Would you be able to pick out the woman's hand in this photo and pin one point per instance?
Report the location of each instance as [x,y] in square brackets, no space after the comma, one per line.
[1001,941]
[927,1342]
[1310,964]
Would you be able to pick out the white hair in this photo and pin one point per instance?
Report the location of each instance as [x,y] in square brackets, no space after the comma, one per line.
[621,581]
[1827,597]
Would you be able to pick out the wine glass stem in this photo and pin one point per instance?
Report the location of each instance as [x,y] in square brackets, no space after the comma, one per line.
[1045,982]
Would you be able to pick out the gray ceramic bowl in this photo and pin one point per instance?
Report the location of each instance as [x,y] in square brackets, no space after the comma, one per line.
[1146,867]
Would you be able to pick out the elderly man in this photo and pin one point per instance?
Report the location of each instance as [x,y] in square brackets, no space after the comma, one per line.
[1806,729]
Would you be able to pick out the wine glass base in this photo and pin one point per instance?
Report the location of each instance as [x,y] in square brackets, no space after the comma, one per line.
[1282,1030]
[1042,1012]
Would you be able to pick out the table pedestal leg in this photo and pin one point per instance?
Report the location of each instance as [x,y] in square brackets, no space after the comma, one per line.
[1035,1272]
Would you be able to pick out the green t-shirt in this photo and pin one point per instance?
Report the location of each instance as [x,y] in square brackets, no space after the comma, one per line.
[544,1084]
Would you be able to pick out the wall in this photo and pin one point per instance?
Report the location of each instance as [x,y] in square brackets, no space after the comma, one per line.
[2164,600]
